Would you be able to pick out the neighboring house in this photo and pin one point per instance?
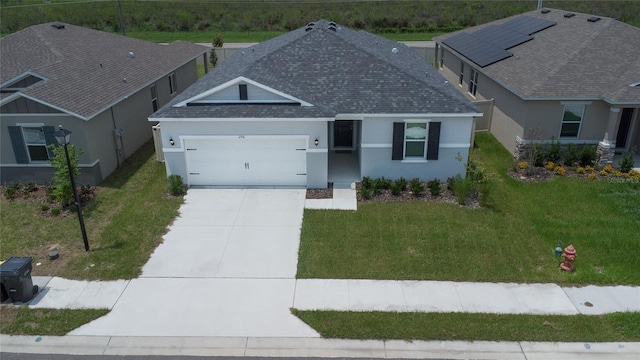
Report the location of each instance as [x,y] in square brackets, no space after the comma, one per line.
[571,76]
[319,104]
[100,86]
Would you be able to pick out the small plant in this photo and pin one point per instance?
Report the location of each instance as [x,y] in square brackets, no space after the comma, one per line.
[603,173]
[30,187]
[462,188]
[55,211]
[44,207]
[608,168]
[367,183]
[11,190]
[559,170]
[589,168]
[627,163]
[553,151]
[218,40]
[176,186]
[398,186]
[592,176]
[416,186]
[580,170]
[537,156]
[86,192]
[434,187]
[475,173]
[365,192]
[62,190]
[383,184]
[550,165]
[588,155]
[523,165]
[570,155]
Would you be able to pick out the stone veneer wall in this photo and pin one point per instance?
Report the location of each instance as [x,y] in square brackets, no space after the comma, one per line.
[605,152]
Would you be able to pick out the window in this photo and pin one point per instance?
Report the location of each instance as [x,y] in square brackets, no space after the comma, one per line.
[154,97]
[415,138]
[173,87]
[473,82]
[441,58]
[243,92]
[571,120]
[36,144]
[461,73]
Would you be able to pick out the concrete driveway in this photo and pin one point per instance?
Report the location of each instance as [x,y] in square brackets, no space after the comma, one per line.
[226,268]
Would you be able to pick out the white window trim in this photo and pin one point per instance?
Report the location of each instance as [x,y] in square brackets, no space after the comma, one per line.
[473,82]
[154,99]
[422,158]
[173,88]
[27,144]
[564,107]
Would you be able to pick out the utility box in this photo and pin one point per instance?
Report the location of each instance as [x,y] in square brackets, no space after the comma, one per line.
[15,279]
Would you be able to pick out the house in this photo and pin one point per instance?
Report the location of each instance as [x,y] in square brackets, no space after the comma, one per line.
[551,74]
[100,86]
[319,104]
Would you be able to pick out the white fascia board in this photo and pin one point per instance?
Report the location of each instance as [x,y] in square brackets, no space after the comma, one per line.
[17,94]
[405,116]
[22,76]
[236,81]
[161,120]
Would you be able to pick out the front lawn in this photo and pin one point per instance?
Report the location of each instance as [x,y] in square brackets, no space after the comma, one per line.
[125,222]
[512,240]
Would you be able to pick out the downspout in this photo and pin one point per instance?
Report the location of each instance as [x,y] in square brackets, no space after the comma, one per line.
[118,139]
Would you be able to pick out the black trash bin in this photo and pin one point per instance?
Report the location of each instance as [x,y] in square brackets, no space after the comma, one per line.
[15,279]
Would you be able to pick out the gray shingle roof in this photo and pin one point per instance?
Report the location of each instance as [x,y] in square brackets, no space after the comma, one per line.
[575,59]
[339,72]
[85,68]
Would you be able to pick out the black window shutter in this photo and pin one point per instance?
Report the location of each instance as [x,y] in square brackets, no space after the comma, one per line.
[49,138]
[398,141]
[433,144]
[19,148]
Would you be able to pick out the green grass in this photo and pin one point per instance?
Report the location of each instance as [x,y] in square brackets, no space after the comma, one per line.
[124,222]
[23,320]
[464,326]
[511,241]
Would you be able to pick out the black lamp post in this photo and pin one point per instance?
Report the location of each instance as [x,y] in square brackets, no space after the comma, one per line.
[62,137]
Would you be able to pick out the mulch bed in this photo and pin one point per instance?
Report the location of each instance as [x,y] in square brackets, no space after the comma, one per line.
[320,193]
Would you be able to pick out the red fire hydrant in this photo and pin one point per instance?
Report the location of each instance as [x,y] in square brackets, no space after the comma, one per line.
[569,256]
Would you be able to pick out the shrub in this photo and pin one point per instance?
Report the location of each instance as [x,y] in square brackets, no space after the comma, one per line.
[475,173]
[627,163]
[589,168]
[580,170]
[550,165]
[44,207]
[86,191]
[537,156]
[592,176]
[559,170]
[176,186]
[434,187]
[570,155]
[55,211]
[523,165]
[588,155]
[11,190]
[603,173]
[29,187]
[367,183]
[462,188]
[416,186]
[398,186]
[553,151]
[382,184]
[218,40]
[62,190]
[366,193]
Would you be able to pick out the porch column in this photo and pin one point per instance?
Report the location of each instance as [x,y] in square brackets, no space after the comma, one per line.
[606,147]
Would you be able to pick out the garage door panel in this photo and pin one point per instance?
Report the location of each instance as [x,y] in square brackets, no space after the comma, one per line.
[247,161]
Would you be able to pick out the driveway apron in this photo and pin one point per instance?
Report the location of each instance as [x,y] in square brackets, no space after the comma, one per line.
[226,268]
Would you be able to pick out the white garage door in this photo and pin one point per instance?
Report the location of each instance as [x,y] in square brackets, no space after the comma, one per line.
[247,161]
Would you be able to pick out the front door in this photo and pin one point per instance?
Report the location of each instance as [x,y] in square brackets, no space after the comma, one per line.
[623,129]
[343,134]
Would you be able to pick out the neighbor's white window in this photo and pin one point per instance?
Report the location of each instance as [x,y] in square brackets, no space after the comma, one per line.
[36,143]
[415,140]
[173,88]
[571,120]
[473,82]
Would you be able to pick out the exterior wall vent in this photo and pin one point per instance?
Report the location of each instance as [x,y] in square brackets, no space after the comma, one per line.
[331,23]
[545,11]
[57,25]
[569,15]
[593,19]
[308,28]
[332,28]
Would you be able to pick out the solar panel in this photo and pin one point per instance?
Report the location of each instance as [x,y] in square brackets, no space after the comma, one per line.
[479,51]
[527,24]
[501,37]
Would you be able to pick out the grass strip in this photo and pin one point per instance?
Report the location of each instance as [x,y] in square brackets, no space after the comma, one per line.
[466,326]
[22,320]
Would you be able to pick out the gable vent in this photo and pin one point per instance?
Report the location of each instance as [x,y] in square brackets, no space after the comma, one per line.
[569,15]
[545,11]
[57,25]
[593,19]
